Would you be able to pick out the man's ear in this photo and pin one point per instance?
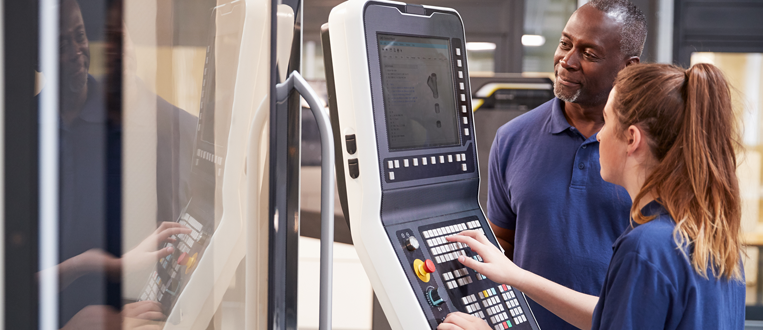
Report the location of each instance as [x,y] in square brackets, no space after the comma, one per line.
[633,60]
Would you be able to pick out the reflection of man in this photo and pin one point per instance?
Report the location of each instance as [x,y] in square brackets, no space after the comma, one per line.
[87,270]
[547,203]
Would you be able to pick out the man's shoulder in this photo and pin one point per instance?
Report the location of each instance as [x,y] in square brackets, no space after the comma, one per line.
[527,124]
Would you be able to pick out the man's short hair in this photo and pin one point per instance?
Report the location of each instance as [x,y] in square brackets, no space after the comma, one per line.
[632,21]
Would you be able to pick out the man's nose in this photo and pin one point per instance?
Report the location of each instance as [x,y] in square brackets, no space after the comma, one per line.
[570,61]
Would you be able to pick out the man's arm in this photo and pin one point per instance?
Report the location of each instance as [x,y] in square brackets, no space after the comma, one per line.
[505,239]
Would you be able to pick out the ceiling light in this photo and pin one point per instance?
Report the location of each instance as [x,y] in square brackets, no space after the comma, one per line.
[479,46]
[533,40]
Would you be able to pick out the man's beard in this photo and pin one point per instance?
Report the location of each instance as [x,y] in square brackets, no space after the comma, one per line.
[566,97]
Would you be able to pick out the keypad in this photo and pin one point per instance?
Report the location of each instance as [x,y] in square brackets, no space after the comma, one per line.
[497,305]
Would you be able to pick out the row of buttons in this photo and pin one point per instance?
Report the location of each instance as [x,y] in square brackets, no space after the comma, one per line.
[469,299]
[446,230]
[447,247]
[479,314]
[459,282]
[488,293]
[491,301]
[449,256]
[473,308]
[520,319]
[459,272]
[462,89]
[495,310]
[499,319]
[392,164]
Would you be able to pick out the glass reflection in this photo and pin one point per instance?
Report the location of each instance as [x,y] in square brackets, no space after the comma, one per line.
[156,133]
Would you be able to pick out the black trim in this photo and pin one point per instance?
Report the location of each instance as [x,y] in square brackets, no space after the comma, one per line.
[21,159]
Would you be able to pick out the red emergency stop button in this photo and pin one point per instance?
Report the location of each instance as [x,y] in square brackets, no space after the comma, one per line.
[183,259]
[429,266]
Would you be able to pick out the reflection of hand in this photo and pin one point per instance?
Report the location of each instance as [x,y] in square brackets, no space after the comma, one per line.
[144,310]
[95,317]
[90,261]
[495,266]
[458,321]
[142,314]
[147,253]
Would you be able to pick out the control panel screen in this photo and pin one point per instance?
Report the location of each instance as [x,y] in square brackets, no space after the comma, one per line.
[419,100]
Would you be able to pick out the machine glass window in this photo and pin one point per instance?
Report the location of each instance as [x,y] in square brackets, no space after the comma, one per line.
[417,83]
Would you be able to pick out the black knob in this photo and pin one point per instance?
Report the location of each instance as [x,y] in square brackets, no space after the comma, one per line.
[433,296]
[411,243]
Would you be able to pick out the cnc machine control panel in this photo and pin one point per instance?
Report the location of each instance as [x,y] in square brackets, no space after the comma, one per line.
[401,111]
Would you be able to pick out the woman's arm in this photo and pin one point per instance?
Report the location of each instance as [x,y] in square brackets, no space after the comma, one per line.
[570,305]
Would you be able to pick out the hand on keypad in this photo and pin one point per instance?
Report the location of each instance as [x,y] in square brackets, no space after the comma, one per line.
[495,265]
[458,320]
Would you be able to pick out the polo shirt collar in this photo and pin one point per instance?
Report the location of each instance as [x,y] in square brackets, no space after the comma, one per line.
[557,123]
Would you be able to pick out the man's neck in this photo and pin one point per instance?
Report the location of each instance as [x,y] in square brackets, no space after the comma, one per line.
[586,119]
[72,104]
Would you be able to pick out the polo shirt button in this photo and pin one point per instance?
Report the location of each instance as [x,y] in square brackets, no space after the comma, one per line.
[581,166]
[584,146]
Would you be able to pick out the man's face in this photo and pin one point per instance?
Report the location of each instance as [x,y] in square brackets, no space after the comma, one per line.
[588,57]
[74,48]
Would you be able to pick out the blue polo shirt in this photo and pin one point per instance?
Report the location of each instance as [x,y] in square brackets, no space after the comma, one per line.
[650,284]
[544,183]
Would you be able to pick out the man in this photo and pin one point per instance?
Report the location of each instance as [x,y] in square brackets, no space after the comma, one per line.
[547,203]
[88,265]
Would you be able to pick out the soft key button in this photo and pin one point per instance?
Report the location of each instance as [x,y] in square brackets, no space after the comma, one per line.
[415,162]
[405,162]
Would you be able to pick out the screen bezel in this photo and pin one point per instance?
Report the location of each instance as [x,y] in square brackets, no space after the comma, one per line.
[453,94]
[386,19]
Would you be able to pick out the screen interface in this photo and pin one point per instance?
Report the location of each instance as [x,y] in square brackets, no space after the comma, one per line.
[417,83]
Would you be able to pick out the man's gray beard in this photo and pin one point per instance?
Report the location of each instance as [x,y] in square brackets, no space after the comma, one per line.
[566,98]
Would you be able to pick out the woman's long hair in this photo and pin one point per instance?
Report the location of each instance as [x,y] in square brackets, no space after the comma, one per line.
[691,130]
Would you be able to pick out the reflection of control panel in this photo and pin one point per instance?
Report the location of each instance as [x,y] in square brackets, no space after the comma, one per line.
[173,271]
[401,111]
[205,212]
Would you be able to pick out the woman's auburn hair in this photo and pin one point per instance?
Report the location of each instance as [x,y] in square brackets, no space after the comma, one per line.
[691,129]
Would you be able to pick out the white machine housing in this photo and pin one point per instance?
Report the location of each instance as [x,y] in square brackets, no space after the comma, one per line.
[363,180]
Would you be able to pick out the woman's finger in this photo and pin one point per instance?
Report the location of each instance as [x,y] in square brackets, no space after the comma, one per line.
[140,307]
[475,245]
[153,316]
[448,326]
[163,235]
[471,263]
[166,225]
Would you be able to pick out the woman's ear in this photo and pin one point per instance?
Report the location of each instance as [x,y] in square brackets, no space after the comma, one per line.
[635,140]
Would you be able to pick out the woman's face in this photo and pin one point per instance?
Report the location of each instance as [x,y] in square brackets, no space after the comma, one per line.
[613,149]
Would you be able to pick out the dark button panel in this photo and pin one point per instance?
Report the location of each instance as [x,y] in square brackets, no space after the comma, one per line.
[352,165]
[453,284]
[351,145]
[399,169]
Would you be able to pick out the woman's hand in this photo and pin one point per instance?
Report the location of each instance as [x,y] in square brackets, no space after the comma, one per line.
[147,253]
[459,321]
[495,265]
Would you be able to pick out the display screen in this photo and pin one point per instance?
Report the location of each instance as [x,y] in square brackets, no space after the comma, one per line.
[417,83]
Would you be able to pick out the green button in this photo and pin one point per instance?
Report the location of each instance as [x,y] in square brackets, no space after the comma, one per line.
[492,289]
[509,323]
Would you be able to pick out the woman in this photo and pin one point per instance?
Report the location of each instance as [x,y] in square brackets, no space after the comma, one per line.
[669,138]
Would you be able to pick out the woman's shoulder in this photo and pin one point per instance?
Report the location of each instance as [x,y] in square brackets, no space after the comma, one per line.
[654,242]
